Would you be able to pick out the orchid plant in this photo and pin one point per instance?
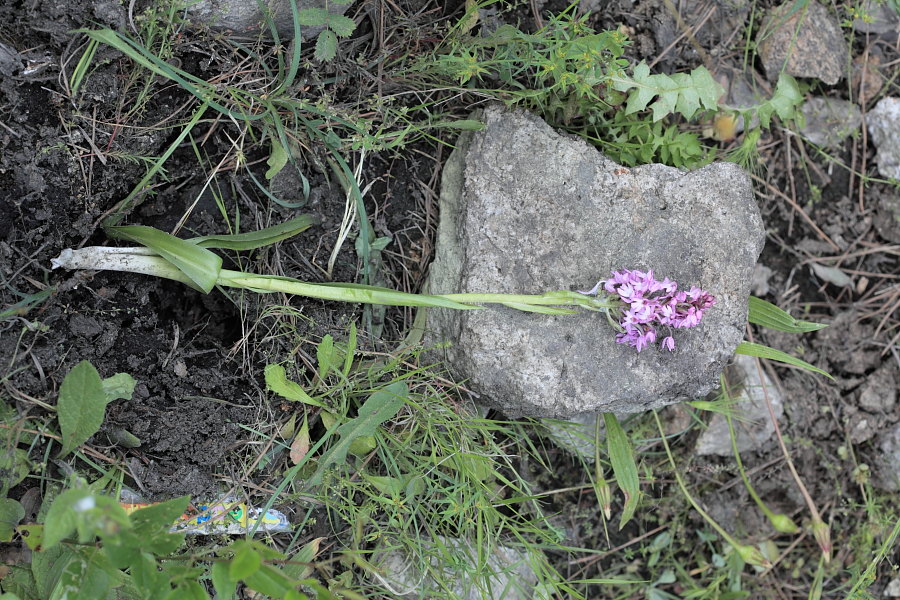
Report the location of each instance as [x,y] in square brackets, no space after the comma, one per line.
[634,302]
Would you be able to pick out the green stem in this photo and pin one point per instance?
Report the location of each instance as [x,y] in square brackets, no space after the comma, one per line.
[748,553]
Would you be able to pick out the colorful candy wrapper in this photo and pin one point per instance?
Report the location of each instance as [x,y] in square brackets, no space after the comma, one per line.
[228,516]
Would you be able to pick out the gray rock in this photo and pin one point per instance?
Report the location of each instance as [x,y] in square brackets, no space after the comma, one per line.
[512,577]
[883,122]
[527,210]
[806,42]
[753,425]
[887,469]
[880,391]
[887,214]
[830,121]
[245,16]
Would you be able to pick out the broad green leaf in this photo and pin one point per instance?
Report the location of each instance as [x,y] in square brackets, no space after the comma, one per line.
[47,567]
[325,356]
[314,17]
[624,468]
[277,381]
[159,516]
[32,535]
[258,239]
[198,264]
[88,577]
[326,46]
[378,408]
[361,446]
[118,387]
[766,314]
[341,26]
[19,584]
[223,584]
[62,517]
[81,405]
[762,351]
[269,581]
[11,512]
[14,468]
[188,590]
[148,578]
[245,563]
[278,158]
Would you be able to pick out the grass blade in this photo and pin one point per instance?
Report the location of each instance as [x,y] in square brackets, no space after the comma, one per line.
[766,314]
[751,349]
[257,239]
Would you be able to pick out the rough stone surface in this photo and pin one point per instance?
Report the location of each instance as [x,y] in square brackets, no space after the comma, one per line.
[527,210]
[513,577]
[830,121]
[887,471]
[880,391]
[806,43]
[246,17]
[887,214]
[752,423]
[883,122]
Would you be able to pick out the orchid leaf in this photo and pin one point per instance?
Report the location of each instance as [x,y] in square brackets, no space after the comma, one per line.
[200,265]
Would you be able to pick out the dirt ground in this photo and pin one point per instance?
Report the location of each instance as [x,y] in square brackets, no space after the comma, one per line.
[197,360]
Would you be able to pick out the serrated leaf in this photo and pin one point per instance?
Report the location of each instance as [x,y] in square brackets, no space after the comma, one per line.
[378,408]
[766,314]
[118,387]
[762,351]
[341,26]
[198,264]
[314,17]
[11,512]
[624,468]
[326,46]
[258,239]
[277,381]
[81,406]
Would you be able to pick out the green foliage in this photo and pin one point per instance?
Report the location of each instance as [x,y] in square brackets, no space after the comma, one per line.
[766,314]
[336,26]
[761,351]
[83,397]
[92,549]
[624,468]
[684,94]
[578,80]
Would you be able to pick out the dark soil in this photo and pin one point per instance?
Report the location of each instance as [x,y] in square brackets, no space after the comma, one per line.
[198,358]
